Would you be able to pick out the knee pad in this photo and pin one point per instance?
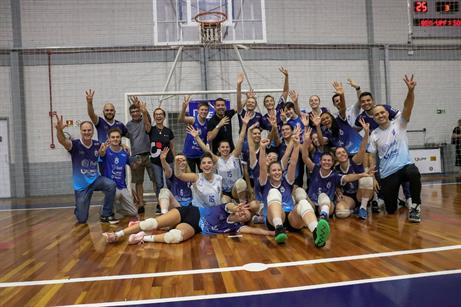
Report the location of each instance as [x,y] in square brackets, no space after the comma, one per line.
[240,185]
[164,194]
[342,213]
[148,224]
[323,200]
[274,197]
[173,236]
[299,194]
[303,207]
[366,183]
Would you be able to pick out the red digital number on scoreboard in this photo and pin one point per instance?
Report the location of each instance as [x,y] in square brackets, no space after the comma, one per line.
[421,7]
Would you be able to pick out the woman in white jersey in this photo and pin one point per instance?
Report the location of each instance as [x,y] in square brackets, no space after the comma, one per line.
[228,164]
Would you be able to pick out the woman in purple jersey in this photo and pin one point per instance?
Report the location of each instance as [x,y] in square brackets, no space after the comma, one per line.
[358,193]
[281,211]
[324,181]
[179,194]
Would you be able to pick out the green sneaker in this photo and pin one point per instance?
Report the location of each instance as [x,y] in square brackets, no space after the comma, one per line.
[321,233]
[280,234]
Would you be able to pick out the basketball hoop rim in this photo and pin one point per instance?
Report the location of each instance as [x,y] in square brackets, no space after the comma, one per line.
[222,18]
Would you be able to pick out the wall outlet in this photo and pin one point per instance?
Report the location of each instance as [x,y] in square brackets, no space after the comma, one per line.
[440,111]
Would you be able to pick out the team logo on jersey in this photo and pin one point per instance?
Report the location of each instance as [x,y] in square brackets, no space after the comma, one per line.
[95,153]
[116,160]
[329,185]
[85,163]
[282,190]
[341,132]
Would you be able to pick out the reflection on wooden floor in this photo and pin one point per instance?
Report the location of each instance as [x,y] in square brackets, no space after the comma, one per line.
[40,245]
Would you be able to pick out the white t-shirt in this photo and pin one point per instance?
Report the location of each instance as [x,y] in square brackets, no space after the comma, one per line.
[230,172]
[391,145]
[207,193]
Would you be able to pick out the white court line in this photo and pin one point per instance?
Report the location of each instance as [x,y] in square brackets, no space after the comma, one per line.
[274,291]
[226,269]
[73,206]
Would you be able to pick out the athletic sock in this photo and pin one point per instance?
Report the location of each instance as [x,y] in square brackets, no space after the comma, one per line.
[120,234]
[324,210]
[149,238]
[276,221]
[163,211]
[312,226]
[364,203]
[409,202]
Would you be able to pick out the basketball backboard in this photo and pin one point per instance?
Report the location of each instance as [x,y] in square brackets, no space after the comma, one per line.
[174,22]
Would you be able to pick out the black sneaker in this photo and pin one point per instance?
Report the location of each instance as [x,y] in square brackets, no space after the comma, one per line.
[402,203]
[414,214]
[375,206]
[280,234]
[141,210]
[109,220]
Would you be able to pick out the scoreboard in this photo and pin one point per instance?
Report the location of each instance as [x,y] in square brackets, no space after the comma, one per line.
[434,18]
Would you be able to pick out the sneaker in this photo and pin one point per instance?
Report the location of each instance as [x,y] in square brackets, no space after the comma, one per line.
[141,210]
[402,204]
[321,233]
[109,220]
[110,237]
[375,207]
[414,214]
[363,213]
[280,234]
[137,238]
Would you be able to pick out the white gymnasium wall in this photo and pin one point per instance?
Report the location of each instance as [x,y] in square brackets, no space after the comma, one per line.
[5,104]
[6,34]
[86,23]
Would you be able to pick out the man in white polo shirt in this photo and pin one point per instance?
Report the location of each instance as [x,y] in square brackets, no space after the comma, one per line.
[390,142]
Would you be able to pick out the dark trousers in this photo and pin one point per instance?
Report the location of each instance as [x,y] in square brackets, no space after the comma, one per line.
[391,184]
[194,164]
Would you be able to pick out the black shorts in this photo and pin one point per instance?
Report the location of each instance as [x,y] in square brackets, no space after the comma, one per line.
[190,215]
[286,224]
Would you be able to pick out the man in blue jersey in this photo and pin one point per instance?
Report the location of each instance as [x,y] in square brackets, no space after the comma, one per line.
[115,160]
[192,150]
[103,124]
[389,143]
[84,153]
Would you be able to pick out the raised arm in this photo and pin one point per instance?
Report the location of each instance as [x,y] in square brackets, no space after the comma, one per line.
[190,129]
[89,106]
[410,99]
[286,87]
[211,135]
[262,161]
[166,167]
[294,98]
[339,89]
[286,155]
[103,148]
[240,79]
[305,150]
[273,134]
[145,114]
[60,125]
[291,171]
[316,121]
[358,158]
[243,131]
[187,177]
[188,120]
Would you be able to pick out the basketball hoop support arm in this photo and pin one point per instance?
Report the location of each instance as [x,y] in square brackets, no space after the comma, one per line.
[236,49]
[170,74]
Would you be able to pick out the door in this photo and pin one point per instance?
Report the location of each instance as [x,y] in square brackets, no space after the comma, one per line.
[5,185]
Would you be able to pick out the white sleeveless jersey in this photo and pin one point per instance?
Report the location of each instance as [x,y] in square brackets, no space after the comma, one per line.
[230,172]
[207,193]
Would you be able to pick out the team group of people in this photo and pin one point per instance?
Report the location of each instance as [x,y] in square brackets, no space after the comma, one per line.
[290,168]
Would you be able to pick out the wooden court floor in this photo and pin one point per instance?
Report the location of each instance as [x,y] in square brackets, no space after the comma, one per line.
[47,260]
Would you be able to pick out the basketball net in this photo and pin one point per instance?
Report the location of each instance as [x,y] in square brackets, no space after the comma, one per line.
[210,28]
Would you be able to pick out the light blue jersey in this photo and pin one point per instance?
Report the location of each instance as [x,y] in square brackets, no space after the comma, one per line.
[391,146]
[207,193]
